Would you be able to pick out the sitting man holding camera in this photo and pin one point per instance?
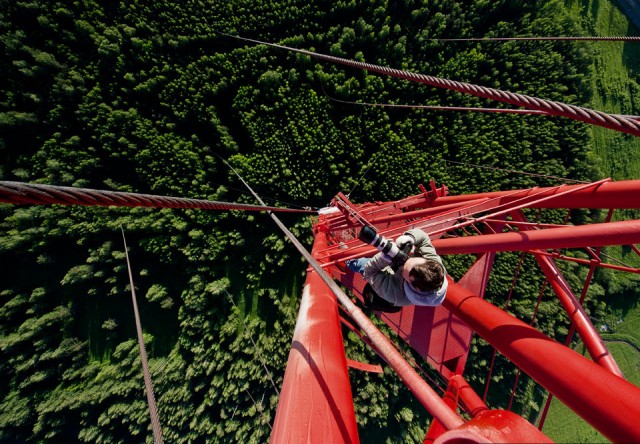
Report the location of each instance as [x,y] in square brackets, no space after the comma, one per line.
[398,278]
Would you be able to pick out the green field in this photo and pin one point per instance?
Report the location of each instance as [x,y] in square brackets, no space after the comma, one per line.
[615,78]
[616,74]
[563,425]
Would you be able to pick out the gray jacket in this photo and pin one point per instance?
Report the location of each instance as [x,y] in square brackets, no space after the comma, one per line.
[392,286]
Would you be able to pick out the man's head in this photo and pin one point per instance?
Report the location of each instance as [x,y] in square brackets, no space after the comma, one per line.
[423,274]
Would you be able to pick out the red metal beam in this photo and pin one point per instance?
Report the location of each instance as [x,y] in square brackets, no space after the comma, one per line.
[589,262]
[470,399]
[592,341]
[594,235]
[371,368]
[575,312]
[316,403]
[420,213]
[528,201]
[623,194]
[609,403]
[422,391]
[499,426]
[436,429]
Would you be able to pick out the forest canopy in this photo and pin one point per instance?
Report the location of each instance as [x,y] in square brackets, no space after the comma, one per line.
[149,97]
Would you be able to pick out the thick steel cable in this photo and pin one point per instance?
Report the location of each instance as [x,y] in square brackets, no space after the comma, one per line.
[151,400]
[23,193]
[460,108]
[599,118]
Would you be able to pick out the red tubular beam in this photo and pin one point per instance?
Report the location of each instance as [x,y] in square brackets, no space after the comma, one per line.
[450,398]
[420,213]
[595,235]
[425,394]
[609,403]
[316,403]
[575,312]
[578,317]
[623,194]
[590,262]
[472,402]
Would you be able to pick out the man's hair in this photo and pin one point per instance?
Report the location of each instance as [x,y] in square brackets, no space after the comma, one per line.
[428,275]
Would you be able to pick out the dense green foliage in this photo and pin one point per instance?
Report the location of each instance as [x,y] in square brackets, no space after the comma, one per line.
[146,96]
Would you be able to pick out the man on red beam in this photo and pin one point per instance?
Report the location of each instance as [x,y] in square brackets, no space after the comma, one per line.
[396,279]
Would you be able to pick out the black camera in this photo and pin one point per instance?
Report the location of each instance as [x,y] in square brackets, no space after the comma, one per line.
[387,247]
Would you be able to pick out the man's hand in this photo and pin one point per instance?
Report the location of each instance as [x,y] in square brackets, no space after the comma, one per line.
[405,242]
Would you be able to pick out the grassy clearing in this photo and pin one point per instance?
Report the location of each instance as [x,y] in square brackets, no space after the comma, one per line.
[616,74]
[563,425]
[615,81]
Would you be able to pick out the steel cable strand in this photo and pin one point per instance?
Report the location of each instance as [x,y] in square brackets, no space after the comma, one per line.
[586,115]
[22,193]
[148,383]
[567,38]
[599,118]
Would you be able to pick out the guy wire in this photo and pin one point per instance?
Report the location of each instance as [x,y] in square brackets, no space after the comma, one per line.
[515,171]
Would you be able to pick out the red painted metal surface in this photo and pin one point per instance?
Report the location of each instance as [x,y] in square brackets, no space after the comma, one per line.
[614,233]
[473,404]
[385,348]
[451,399]
[496,426]
[579,318]
[364,366]
[433,332]
[623,194]
[609,403]
[316,403]
[485,425]
[474,280]
[485,224]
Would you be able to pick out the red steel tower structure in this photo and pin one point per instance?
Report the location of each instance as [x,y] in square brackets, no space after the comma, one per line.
[316,403]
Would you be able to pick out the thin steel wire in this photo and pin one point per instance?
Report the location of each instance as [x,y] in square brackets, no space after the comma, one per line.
[444,108]
[148,384]
[255,347]
[563,179]
[509,39]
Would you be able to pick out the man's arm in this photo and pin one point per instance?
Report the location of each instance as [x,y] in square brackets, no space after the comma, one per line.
[387,285]
[423,244]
